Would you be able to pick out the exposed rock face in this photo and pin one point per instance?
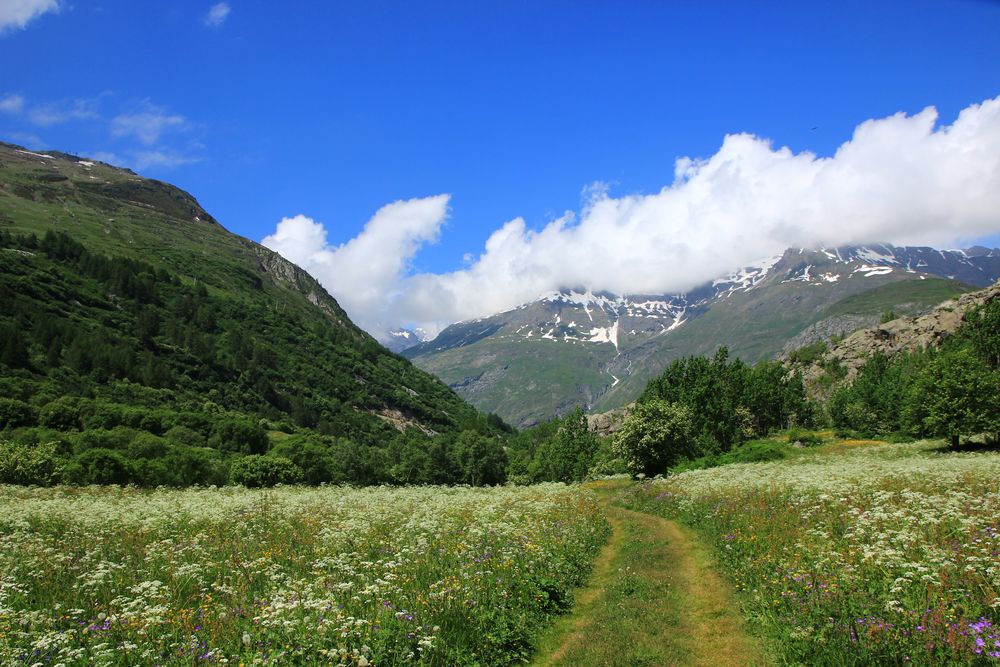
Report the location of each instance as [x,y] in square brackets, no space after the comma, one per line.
[839,325]
[899,335]
[608,423]
[281,270]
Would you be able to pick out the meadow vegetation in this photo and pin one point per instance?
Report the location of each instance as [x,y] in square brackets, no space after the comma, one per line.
[294,575]
[852,554]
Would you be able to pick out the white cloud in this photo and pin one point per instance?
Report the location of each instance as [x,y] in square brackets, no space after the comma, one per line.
[366,273]
[147,124]
[54,113]
[217,15]
[898,180]
[16,14]
[11,103]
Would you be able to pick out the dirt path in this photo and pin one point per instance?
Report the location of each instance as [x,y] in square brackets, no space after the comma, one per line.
[654,598]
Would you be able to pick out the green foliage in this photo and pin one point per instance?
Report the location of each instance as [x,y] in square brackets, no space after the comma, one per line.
[808,354]
[36,465]
[655,436]
[955,394]
[91,344]
[950,391]
[239,435]
[568,455]
[256,471]
[559,450]
[606,462]
[100,466]
[730,401]
[752,451]
[982,331]
[803,436]
[887,316]
[481,460]
[14,413]
[62,414]
[874,402]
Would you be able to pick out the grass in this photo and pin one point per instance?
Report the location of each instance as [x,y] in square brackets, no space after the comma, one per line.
[905,297]
[432,575]
[855,553]
[654,599]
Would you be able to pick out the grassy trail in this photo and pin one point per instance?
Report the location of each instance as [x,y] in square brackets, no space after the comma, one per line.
[654,598]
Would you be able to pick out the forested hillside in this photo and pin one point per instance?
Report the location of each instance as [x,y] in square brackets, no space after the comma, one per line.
[141,342]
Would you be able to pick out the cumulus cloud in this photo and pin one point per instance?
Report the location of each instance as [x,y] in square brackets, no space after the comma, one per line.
[217,15]
[365,274]
[11,103]
[147,124]
[901,179]
[15,14]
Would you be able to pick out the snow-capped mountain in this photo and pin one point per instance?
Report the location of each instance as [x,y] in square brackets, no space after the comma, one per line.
[402,339]
[598,349]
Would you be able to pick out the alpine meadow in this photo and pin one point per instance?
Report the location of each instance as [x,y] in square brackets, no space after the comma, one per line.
[493,334]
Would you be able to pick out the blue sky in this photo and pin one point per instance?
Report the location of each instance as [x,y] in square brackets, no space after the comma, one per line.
[332,110]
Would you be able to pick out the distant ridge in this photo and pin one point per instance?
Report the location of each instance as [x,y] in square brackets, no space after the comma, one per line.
[575,347]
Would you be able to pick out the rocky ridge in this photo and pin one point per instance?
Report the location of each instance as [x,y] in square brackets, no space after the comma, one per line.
[899,335]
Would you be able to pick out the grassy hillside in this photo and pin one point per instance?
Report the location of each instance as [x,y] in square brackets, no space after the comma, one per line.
[526,381]
[136,326]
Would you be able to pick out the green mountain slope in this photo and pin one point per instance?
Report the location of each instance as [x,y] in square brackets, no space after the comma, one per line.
[598,351]
[762,323]
[128,311]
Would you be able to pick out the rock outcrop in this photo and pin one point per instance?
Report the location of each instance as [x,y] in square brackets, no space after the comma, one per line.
[899,335]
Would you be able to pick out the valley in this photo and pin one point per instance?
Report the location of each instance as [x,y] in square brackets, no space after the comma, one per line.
[204,461]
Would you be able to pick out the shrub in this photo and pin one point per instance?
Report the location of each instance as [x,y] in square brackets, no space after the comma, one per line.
[62,414]
[256,471]
[14,413]
[240,435]
[100,466]
[656,435]
[804,437]
[38,465]
[755,451]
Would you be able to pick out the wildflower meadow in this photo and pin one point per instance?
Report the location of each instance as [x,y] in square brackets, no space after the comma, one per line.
[884,554]
[329,575]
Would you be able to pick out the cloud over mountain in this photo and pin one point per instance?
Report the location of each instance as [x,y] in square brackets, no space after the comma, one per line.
[902,179]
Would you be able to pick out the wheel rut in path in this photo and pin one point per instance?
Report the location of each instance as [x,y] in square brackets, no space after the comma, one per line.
[654,598]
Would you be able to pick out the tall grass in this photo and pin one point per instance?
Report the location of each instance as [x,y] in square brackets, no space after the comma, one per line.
[879,555]
[443,576]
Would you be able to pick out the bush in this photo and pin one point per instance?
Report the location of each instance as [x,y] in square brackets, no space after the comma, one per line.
[656,436]
[256,471]
[100,466]
[117,439]
[804,437]
[62,414]
[38,465]
[240,435]
[755,451]
[14,413]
